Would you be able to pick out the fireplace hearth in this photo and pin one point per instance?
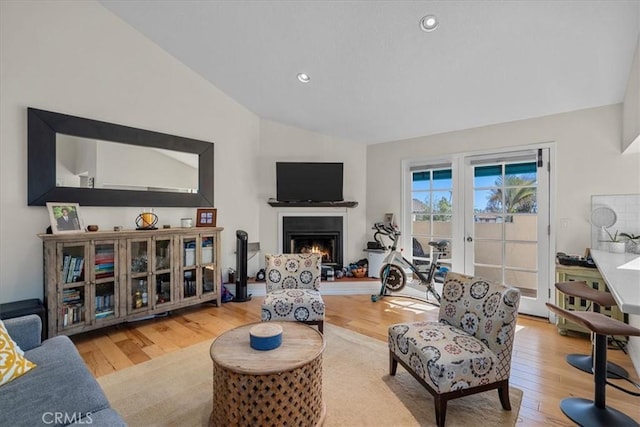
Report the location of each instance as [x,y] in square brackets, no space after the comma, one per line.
[314,234]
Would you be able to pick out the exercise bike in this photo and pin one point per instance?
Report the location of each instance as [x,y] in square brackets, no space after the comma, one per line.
[392,273]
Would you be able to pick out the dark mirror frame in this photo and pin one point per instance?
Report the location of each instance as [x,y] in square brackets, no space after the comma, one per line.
[42,129]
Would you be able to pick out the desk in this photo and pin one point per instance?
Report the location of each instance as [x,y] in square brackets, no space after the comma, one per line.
[624,283]
[268,388]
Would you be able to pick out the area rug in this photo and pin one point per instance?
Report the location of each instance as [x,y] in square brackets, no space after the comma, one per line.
[176,389]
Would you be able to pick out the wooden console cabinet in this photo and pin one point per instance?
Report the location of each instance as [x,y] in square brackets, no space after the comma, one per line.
[102,278]
[566,273]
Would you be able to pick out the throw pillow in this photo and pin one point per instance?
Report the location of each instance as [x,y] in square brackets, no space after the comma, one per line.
[12,360]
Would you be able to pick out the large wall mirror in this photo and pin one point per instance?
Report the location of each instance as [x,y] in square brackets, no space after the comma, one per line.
[93,163]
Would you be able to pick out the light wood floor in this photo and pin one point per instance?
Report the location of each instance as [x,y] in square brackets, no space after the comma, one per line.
[538,368]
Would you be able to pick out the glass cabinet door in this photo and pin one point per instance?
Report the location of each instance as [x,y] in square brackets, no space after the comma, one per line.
[207,263]
[73,298]
[104,282]
[189,268]
[139,274]
[163,279]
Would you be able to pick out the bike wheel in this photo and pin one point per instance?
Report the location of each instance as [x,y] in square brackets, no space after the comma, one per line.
[393,277]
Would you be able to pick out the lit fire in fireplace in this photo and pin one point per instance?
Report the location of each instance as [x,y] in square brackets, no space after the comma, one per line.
[317,249]
[326,256]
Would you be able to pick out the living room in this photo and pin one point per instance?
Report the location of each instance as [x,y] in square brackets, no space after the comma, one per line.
[79,58]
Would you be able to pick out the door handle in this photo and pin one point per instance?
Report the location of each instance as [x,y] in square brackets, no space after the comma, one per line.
[469,239]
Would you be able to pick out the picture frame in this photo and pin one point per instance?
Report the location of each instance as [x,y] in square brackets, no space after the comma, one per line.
[388,218]
[206,217]
[65,217]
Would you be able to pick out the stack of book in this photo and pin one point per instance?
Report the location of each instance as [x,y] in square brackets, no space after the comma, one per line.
[104,305]
[72,306]
[104,262]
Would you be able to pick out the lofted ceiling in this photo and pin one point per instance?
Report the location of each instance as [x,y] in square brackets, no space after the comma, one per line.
[377,77]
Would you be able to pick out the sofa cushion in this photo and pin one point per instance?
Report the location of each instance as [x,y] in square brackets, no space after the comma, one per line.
[61,384]
[13,364]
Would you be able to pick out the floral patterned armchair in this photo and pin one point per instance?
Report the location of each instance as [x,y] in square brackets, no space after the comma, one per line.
[293,283]
[469,350]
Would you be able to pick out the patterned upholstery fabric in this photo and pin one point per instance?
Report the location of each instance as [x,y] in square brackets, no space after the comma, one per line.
[471,344]
[293,283]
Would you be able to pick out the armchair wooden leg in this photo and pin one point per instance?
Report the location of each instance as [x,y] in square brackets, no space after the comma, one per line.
[393,364]
[503,392]
[321,327]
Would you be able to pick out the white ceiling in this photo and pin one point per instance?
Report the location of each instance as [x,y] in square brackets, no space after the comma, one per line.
[376,77]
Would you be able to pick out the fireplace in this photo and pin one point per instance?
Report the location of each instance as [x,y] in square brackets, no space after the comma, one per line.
[319,234]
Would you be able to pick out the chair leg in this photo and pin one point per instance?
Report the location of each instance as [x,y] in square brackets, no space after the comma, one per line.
[503,392]
[321,327]
[441,409]
[393,364]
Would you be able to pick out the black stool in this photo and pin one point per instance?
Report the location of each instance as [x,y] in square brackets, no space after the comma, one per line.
[582,290]
[595,412]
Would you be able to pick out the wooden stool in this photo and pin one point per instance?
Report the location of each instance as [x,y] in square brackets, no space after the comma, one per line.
[582,290]
[595,412]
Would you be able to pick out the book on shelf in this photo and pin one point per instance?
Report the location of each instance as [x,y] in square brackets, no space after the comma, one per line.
[65,267]
[78,270]
[104,262]
[104,302]
[71,295]
[103,314]
[72,266]
[73,269]
[72,313]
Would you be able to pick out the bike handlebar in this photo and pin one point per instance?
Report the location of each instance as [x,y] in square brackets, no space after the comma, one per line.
[386,228]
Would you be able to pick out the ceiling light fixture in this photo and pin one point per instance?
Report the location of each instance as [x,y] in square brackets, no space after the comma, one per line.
[304,78]
[429,23]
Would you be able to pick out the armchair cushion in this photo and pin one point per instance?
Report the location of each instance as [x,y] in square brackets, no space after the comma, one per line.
[292,271]
[301,305]
[447,358]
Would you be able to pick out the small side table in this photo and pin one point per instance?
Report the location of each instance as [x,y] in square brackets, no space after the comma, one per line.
[268,388]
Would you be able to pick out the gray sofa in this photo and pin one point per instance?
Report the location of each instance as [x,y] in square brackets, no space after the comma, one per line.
[59,391]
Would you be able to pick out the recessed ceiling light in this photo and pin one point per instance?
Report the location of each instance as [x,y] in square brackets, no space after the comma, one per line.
[429,23]
[304,78]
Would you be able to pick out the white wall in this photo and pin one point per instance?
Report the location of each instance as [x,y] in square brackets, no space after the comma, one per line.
[589,162]
[631,110]
[279,142]
[78,58]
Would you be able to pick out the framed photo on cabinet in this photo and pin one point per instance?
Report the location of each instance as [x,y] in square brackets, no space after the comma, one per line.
[206,217]
[65,217]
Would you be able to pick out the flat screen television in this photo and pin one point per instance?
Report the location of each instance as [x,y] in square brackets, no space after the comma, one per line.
[309,182]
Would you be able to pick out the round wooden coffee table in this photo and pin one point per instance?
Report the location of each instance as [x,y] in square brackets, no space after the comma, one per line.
[268,388]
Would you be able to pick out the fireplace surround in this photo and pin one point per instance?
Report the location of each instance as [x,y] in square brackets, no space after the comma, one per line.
[320,234]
